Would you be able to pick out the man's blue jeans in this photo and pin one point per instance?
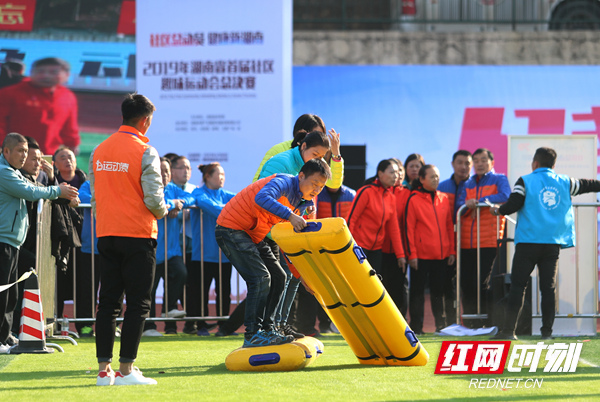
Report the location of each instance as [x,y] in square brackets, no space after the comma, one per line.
[265,279]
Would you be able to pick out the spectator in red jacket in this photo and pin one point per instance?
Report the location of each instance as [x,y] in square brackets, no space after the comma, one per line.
[373,215]
[394,278]
[430,247]
[42,107]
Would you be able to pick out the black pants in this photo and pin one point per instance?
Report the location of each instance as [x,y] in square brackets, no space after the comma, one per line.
[9,257]
[527,256]
[436,272]
[64,285]
[395,282]
[26,262]
[87,288]
[375,259]
[468,280]
[127,268]
[222,289]
[176,278]
[309,310]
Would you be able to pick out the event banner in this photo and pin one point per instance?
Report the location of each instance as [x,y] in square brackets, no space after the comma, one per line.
[219,74]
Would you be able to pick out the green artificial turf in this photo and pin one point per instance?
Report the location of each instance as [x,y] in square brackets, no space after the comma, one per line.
[192,368]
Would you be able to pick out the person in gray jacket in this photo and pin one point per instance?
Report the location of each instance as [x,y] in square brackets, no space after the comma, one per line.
[14,191]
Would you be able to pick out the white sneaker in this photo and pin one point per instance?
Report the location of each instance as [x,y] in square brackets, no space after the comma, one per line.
[4,349]
[176,313]
[151,332]
[133,378]
[105,378]
[334,328]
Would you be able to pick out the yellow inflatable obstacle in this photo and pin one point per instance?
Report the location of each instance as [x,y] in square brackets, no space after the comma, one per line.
[286,357]
[336,268]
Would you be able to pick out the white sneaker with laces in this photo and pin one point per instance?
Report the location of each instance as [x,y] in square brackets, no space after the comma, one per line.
[105,378]
[4,349]
[133,378]
[151,332]
[176,313]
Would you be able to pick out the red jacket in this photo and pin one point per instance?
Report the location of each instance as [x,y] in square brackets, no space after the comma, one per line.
[401,193]
[429,227]
[49,117]
[373,216]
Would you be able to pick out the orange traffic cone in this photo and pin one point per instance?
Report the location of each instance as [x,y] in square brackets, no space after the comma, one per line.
[32,338]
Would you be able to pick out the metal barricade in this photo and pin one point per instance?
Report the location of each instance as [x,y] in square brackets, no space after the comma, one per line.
[45,244]
[537,312]
[45,264]
[459,214]
[593,277]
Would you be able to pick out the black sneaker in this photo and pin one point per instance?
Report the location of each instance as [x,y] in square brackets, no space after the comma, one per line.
[12,340]
[504,336]
[288,330]
[222,332]
[189,329]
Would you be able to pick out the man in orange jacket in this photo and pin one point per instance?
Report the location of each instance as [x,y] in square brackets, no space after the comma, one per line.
[127,197]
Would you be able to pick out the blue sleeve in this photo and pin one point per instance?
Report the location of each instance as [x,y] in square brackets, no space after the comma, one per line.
[85,193]
[276,188]
[503,191]
[18,187]
[187,198]
[280,163]
[208,205]
[173,192]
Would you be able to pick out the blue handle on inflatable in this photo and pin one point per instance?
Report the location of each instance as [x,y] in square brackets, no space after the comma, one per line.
[264,359]
[411,337]
[312,227]
[359,253]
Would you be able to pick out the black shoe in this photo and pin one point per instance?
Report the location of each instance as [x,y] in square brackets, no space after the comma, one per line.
[504,336]
[547,337]
[190,330]
[170,331]
[12,340]
[288,330]
[221,332]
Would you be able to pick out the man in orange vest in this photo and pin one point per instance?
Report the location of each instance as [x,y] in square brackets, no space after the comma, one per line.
[127,197]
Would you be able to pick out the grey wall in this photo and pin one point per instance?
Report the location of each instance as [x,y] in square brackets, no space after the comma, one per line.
[501,48]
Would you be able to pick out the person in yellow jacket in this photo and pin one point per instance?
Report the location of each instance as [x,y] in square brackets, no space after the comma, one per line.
[127,198]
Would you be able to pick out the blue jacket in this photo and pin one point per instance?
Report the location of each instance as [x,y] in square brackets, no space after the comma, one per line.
[289,162]
[211,202]
[172,192]
[14,190]
[547,206]
[453,192]
[85,196]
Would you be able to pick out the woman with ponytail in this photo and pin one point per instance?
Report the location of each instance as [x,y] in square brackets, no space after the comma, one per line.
[304,125]
[373,215]
[210,198]
[429,247]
